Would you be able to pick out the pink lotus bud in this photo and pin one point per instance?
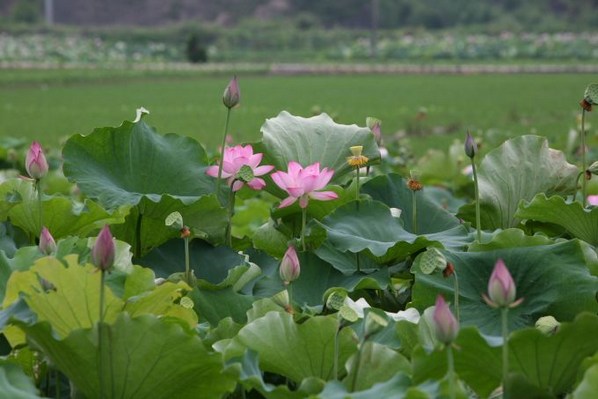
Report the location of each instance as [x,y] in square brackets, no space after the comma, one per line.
[102,254]
[446,325]
[47,245]
[35,161]
[501,287]
[471,148]
[232,94]
[289,266]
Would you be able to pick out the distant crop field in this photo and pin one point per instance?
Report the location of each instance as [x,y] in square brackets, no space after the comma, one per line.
[433,109]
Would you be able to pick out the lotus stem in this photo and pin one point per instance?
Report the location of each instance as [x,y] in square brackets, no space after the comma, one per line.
[38,186]
[101,333]
[357,182]
[505,349]
[336,350]
[187,262]
[451,371]
[303,223]
[457,311]
[414,211]
[583,158]
[478,220]
[220,164]
[231,213]
[138,235]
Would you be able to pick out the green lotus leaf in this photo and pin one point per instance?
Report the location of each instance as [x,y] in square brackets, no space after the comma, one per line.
[145,357]
[589,385]
[392,190]
[216,305]
[13,192]
[375,363]
[372,229]
[14,383]
[552,363]
[205,217]
[288,138]
[579,222]
[535,271]
[476,363]
[509,238]
[518,170]
[297,351]
[121,165]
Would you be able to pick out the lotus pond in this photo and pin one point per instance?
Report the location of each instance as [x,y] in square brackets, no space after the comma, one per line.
[313,263]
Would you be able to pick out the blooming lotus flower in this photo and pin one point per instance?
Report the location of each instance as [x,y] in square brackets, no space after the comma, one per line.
[501,287]
[47,245]
[446,325]
[35,161]
[103,252]
[289,266]
[232,94]
[240,166]
[302,183]
[593,200]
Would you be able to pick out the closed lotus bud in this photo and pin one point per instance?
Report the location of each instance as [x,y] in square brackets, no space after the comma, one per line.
[289,266]
[548,325]
[47,245]
[471,148]
[232,94]
[501,287]
[35,161]
[446,325]
[103,251]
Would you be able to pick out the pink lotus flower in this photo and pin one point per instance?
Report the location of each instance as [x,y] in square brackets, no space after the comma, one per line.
[103,252]
[445,324]
[289,266]
[302,183]
[501,287]
[47,245]
[35,161]
[593,200]
[235,158]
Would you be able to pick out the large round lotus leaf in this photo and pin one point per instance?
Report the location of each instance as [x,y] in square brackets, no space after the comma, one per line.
[551,279]
[393,191]
[145,357]
[518,170]
[317,139]
[120,165]
[581,223]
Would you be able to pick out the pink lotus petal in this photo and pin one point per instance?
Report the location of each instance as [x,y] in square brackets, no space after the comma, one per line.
[229,167]
[295,191]
[212,171]
[294,169]
[593,200]
[323,195]
[287,201]
[254,160]
[237,185]
[262,170]
[309,183]
[303,200]
[313,169]
[324,178]
[256,183]
[280,179]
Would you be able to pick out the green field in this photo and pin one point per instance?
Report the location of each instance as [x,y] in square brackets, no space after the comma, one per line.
[51,105]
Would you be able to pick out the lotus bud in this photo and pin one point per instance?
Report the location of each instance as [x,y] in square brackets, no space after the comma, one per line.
[501,287]
[232,94]
[47,245]
[103,251]
[289,266]
[446,325]
[471,148]
[35,161]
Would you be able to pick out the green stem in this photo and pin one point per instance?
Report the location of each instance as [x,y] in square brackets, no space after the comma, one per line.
[505,349]
[583,158]
[357,182]
[358,262]
[101,333]
[451,371]
[356,365]
[187,262]
[290,292]
[414,211]
[478,223]
[457,311]
[220,164]
[336,349]
[231,213]
[38,186]
[303,223]
[138,235]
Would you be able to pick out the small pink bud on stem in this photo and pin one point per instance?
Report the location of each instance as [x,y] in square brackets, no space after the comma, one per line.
[47,245]
[446,325]
[103,251]
[35,161]
[289,266]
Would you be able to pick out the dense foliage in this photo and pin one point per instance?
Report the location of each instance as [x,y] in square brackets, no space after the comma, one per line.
[310,269]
